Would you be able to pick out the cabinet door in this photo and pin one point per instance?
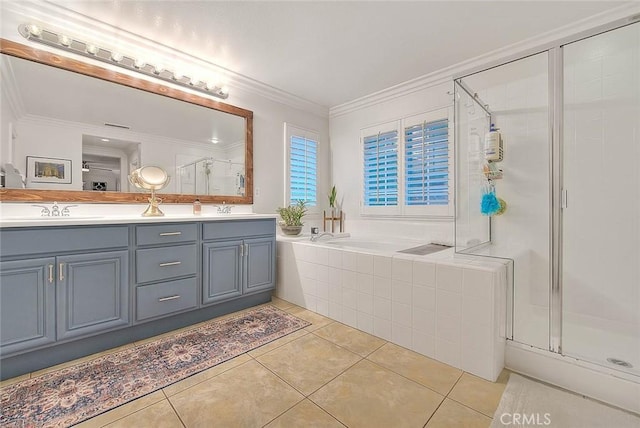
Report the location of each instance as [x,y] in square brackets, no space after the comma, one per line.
[259,266]
[222,270]
[27,304]
[93,293]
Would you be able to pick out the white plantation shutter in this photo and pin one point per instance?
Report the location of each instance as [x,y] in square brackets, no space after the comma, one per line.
[381,169]
[302,172]
[408,166]
[426,151]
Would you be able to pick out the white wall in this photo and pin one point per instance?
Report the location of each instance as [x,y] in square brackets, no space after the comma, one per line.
[346,163]
[269,149]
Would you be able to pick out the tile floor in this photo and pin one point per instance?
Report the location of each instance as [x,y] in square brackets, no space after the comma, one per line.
[326,375]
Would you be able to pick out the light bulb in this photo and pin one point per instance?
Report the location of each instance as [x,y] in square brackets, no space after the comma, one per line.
[64,40]
[92,49]
[158,68]
[34,30]
[139,63]
[224,90]
[177,75]
[211,86]
[116,56]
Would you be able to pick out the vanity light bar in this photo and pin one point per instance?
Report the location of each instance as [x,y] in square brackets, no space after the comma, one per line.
[61,41]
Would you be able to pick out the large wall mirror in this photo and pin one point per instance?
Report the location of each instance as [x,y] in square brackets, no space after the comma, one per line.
[78,130]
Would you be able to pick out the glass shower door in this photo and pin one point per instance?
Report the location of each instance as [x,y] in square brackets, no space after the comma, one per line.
[601,212]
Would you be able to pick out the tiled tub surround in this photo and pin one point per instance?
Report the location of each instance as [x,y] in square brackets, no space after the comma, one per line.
[442,306]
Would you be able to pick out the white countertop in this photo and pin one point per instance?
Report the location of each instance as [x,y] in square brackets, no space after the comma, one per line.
[84,220]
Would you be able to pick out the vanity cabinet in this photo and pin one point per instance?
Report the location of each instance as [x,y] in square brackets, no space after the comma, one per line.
[27,304]
[53,288]
[69,291]
[166,269]
[238,258]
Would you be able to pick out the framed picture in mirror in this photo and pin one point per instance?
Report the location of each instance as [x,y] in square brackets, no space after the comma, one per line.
[48,170]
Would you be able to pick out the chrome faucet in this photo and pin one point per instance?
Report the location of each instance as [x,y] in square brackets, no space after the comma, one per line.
[315,235]
[55,210]
[224,209]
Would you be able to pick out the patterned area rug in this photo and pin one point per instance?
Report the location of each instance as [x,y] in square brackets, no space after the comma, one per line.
[70,395]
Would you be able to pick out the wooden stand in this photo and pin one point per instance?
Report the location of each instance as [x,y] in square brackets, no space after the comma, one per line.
[332,218]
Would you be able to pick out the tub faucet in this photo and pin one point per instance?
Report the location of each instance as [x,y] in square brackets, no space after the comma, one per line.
[315,235]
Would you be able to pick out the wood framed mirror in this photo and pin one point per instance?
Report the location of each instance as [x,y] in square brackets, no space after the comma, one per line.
[208,144]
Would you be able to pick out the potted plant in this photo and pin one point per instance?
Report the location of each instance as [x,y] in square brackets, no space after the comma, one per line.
[332,197]
[291,223]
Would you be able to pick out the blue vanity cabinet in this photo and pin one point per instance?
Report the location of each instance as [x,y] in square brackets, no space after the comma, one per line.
[166,272]
[92,293]
[60,283]
[259,266]
[238,258]
[222,270]
[27,304]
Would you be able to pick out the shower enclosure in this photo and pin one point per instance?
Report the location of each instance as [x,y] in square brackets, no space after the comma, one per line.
[211,176]
[570,120]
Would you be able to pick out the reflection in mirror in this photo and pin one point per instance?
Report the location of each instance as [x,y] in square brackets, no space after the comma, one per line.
[107,130]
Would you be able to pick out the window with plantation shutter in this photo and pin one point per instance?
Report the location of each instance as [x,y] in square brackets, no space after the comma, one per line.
[302,154]
[408,168]
[381,169]
[426,163]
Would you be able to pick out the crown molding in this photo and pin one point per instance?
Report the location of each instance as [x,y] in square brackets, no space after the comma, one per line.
[51,15]
[613,17]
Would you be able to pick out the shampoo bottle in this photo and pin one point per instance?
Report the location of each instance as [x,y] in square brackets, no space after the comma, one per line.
[493,145]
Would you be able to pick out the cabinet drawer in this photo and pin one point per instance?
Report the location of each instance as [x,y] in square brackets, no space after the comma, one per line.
[165,298]
[156,264]
[238,228]
[166,233]
[58,239]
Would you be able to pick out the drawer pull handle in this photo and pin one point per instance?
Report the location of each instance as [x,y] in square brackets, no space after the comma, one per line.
[164,299]
[61,271]
[170,264]
[170,233]
[50,273]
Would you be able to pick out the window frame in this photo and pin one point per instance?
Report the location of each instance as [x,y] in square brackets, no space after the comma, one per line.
[308,134]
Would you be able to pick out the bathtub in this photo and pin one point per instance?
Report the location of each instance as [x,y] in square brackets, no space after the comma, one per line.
[369,244]
[440,305]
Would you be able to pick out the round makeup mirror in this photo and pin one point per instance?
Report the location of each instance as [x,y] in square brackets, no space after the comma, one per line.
[150,178]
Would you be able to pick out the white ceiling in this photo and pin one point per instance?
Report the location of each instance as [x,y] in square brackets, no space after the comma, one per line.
[332,52]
